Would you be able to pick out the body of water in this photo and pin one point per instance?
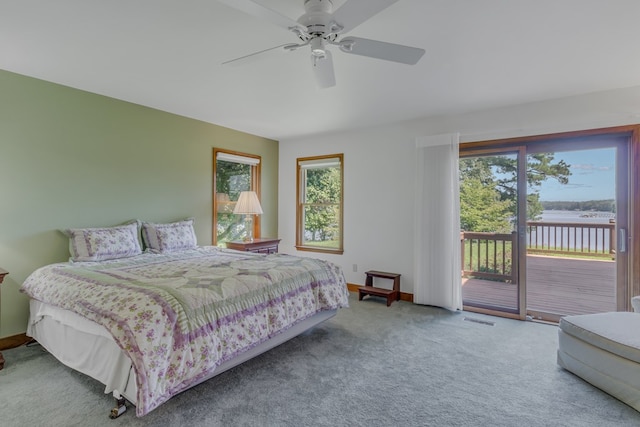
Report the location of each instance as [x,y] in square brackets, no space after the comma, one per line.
[576,237]
[577,216]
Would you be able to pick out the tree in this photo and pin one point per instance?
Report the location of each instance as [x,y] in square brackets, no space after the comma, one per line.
[488,188]
[481,209]
[322,198]
[231,179]
[540,167]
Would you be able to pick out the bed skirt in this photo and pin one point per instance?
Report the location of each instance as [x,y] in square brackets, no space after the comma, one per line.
[87,347]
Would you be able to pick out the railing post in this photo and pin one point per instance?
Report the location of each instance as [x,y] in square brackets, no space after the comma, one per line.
[462,264]
[612,239]
[514,257]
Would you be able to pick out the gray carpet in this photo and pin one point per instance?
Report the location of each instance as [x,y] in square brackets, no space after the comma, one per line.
[406,365]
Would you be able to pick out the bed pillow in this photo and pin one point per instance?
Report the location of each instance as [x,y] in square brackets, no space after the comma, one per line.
[99,244]
[171,237]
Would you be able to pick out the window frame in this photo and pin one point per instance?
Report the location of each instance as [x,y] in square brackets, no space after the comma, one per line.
[254,186]
[300,205]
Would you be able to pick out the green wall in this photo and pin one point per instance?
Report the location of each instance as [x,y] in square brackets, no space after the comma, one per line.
[70,158]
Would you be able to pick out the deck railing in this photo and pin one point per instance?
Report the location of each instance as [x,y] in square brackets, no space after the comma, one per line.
[491,255]
[488,255]
[596,240]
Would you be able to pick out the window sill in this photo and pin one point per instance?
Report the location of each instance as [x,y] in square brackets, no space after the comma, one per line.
[321,250]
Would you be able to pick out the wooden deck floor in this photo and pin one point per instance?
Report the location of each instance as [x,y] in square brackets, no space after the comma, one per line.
[554,285]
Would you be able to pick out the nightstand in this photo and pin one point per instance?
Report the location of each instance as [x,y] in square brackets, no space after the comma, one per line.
[261,245]
[2,274]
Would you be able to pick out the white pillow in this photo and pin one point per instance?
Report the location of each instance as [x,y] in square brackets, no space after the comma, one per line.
[171,237]
[98,244]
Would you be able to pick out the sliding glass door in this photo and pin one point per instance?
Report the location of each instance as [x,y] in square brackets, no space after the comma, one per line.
[577,228]
[490,210]
[544,225]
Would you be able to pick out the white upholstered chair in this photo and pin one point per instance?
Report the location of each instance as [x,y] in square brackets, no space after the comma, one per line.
[604,349]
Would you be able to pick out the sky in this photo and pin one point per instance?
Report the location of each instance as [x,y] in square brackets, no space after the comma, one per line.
[592,177]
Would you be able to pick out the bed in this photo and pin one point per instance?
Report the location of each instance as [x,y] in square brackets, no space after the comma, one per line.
[152,324]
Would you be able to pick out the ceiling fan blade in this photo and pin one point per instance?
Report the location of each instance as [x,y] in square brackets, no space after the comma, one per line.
[354,12]
[261,12]
[381,50]
[255,55]
[323,70]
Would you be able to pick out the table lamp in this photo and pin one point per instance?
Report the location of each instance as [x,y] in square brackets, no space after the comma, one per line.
[248,205]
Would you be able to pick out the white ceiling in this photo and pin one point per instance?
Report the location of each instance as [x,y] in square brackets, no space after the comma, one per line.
[167,54]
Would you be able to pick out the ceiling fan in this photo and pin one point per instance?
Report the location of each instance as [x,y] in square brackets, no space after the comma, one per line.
[321,27]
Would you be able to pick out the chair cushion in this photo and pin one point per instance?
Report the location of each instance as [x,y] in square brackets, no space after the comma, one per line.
[615,332]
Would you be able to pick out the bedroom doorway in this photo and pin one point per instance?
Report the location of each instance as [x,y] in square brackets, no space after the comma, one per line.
[567,199]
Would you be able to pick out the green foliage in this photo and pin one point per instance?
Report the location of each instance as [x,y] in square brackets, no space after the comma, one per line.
[488,189]
[231,179]
[540,167]
[534,207]
[487,256]
[322,204]
[481,209]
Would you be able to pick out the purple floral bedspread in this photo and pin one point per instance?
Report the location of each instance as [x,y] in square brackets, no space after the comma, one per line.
[179,315]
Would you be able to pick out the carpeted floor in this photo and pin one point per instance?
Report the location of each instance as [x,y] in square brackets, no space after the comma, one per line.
[406,365]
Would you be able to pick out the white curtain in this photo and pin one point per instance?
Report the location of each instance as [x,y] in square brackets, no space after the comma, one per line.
[437,238]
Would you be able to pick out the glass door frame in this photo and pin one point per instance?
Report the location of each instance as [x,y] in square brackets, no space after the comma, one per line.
[520,151]
[622,197]
[628,272]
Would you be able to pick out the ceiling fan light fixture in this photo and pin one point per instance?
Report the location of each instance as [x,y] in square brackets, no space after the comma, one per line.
[317,47]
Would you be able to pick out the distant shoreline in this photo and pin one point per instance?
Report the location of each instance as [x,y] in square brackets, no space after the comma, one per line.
[556,215]
[607,205]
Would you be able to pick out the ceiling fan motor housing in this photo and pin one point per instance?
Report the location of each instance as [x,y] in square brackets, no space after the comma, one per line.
[317,19]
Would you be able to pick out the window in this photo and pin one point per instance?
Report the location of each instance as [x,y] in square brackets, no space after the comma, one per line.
[233,173]
[319,204]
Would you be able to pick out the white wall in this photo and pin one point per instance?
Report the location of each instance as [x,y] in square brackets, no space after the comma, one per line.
[379,171]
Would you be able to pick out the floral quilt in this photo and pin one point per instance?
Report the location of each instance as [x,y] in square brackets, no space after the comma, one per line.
[179,315]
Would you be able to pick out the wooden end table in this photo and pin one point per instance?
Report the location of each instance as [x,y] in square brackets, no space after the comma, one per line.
[258,245]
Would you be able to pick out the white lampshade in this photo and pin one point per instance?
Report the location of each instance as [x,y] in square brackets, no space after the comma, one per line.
[248,204]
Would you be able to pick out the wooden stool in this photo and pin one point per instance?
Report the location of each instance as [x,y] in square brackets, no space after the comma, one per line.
[389,294]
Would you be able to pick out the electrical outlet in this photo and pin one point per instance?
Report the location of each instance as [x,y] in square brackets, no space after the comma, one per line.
[355,268]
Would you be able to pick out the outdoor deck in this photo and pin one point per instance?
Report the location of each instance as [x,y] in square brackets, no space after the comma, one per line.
[554,285]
